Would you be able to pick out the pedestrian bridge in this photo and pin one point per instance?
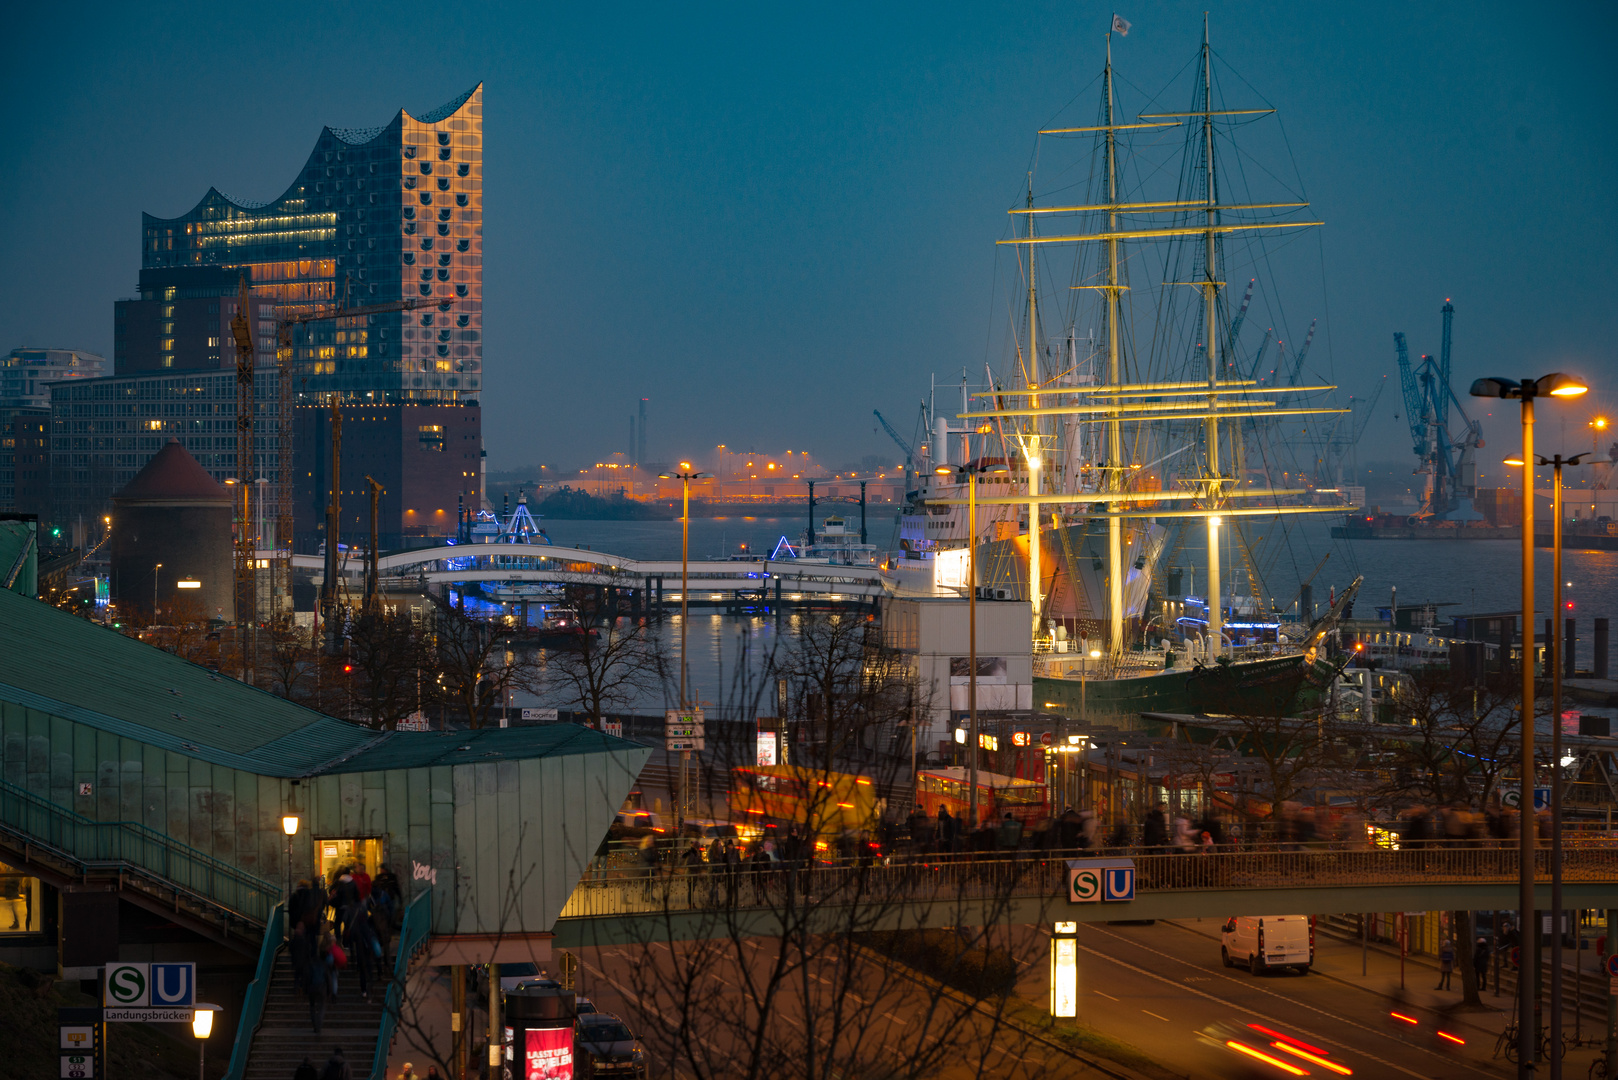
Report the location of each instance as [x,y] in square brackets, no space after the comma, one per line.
[1030,888]
[653,581]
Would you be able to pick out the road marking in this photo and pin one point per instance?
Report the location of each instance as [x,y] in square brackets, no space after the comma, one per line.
[1149,1012]
[1109,997]
[1246,1009]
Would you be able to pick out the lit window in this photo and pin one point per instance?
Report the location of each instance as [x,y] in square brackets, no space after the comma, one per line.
[431,437]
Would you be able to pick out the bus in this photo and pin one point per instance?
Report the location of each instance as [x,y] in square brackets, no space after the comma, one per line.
[998,795]
[829,803]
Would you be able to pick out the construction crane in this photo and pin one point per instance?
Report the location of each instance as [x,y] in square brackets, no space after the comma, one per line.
[1445,459]
[285,323]
[246,569]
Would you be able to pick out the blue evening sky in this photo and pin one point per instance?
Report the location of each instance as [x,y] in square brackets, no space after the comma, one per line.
[771,219]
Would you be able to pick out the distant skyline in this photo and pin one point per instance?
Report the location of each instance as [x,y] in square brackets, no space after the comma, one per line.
[771,222]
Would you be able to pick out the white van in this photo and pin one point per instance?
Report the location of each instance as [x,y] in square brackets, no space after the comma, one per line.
[1265,942]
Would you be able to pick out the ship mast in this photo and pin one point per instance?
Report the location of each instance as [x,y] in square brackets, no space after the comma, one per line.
[1210,299]
[1115,438]
[1031,447]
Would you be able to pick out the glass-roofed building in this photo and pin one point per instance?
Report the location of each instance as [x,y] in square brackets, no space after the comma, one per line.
[376,215]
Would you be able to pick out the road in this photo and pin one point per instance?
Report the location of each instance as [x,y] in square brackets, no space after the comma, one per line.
[1152,987]
[1157,986]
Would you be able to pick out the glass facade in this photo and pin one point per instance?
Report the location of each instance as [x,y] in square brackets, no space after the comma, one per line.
[104,431]
[376,215]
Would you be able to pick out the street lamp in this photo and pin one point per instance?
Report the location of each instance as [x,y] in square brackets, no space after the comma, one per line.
[685,476]
[201,1028]
[968,474]
[1554,660]
[1559,385]
[289,825]
[155,568]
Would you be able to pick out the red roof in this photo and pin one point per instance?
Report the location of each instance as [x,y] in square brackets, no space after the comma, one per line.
[173,474]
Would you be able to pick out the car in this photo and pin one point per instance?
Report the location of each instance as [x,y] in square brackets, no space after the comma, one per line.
[1263,943]
[637,823]
[583,1006]
[604,1046]
[525,974]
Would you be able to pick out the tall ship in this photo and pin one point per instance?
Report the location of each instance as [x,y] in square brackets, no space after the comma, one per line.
[1109,474]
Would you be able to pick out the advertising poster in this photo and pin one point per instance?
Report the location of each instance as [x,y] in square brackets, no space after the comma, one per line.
[548,1054]
[766,748]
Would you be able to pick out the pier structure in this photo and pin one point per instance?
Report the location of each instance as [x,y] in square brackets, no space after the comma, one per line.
[632,586]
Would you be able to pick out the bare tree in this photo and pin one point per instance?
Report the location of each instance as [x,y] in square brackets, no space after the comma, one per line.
[608,668]
[477,665]
[1454,739]
[393,660]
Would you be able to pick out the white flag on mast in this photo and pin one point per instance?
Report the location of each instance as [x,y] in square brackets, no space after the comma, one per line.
[1120,26]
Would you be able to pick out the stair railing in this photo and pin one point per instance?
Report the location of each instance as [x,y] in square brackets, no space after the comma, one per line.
[89,844]
[257,992]
[418,923]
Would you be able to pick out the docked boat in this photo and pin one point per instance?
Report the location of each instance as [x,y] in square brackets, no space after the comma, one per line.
[1088,462]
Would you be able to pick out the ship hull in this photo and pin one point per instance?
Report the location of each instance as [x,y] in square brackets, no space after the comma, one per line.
[1274,685]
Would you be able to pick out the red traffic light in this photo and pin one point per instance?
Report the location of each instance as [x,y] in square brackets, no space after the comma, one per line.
[347,668]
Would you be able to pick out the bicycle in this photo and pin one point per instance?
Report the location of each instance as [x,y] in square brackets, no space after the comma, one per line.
[1507,1044]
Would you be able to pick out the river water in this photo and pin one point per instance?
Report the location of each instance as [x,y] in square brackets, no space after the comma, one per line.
[728,654]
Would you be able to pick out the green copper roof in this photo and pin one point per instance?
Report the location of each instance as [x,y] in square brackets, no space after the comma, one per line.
[64,665]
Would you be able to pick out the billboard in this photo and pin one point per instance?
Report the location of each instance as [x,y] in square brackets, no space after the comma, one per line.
[548,1054]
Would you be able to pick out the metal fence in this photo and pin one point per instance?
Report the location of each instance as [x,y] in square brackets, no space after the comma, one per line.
[129,847]
[1013,875]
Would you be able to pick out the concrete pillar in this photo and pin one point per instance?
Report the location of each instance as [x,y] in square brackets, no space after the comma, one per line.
[1601,649]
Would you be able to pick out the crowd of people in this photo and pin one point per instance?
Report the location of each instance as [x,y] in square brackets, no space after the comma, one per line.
[349,926]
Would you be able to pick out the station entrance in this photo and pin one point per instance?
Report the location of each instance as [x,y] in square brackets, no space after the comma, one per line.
[333,855]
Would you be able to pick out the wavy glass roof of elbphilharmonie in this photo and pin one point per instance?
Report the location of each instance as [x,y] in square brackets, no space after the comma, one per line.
[376,214]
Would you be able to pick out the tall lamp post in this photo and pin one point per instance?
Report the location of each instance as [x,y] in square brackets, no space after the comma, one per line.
[289,825]
[1562,386]
[685,476]
[155,568]
[1555,661]
[968,474]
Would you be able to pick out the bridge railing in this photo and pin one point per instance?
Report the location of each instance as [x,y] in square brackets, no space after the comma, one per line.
[651,889]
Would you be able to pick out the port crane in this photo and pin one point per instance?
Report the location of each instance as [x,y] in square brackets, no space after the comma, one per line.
[910,453]
[1445,457]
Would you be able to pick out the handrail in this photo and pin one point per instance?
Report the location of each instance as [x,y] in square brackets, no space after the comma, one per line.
[418,921]
[95,844]
[930,879]
[257,991]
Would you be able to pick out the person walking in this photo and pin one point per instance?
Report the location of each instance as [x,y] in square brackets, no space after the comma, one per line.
[385,892]
[408,1072]
[364,947]
[336,1068]
[1480,961]
[947,829]
[1155,834]
[318,985]
[1446,964]
[306,1071]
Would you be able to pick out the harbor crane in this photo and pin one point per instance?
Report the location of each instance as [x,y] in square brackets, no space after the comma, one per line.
[910,453]
[1297,360]
[1445,457]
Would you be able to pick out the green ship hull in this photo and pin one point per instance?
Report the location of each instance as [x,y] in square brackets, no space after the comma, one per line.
[1278,685]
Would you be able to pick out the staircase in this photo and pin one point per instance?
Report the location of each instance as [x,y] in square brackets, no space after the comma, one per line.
[285,1037]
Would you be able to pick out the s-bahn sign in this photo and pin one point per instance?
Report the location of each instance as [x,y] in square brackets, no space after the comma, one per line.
[149,993]
[1092,881]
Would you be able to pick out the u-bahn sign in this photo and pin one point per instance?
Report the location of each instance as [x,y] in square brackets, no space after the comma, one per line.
[1092,881]
[149,993]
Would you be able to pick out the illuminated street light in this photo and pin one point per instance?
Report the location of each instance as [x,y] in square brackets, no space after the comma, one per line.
[685,476]
[1557,384]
